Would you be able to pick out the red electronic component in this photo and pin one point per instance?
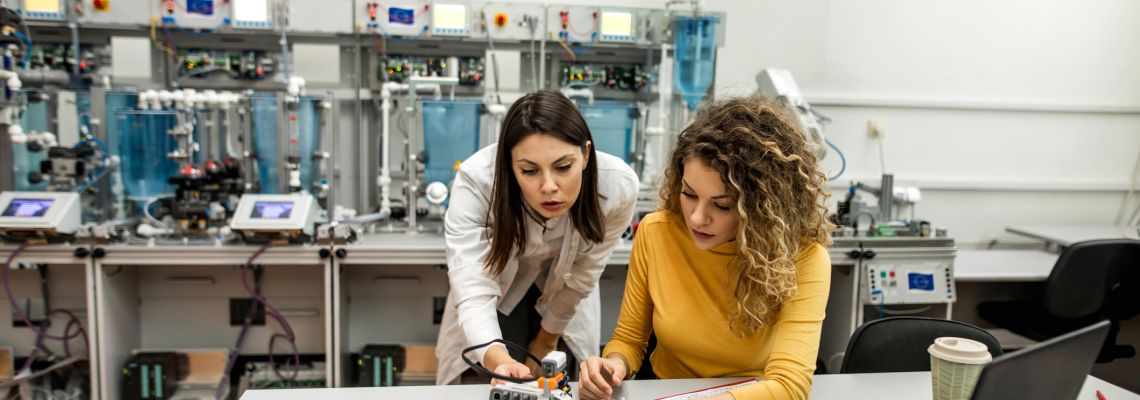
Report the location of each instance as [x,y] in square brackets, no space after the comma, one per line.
[501,20]
[170,6]
[101,5]
[565,18]
[372,10]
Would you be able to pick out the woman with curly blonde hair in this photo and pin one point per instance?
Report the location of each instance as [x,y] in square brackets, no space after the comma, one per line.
[731,275]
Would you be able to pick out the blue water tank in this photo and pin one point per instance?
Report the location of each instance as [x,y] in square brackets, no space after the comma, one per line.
[451,134]
[695,57]
[144,143]
[612,124]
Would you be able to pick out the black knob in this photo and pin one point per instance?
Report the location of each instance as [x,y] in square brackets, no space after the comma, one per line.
[99,252]
[341,253]
[324,253]
[82,252]
[869,254]
[35,178]
[856,254]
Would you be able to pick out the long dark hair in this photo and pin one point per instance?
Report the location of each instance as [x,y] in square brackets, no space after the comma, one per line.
[549,113]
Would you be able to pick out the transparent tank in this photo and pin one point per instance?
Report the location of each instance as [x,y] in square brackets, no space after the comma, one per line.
[144,144]
[264,114]
[35,118]
[309,138]
[695,57]
[451,134]
[116,101]
[266,142]
[611,125]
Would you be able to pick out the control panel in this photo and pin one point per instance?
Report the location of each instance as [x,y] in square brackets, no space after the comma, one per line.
[245,64]
[396,18]
[510,21]
[907,282]
[32,215]
[270,217]
[44,10]
[630,77]
[398,68]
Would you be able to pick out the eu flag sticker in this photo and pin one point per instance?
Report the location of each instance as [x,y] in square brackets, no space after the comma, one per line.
[920,281]
[404,16]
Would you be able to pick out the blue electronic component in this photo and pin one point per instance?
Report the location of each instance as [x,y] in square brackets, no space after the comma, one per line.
[611,126]
[402,16]
[920,281]
[695,61]
[200,7]
[451,134]
[145,138]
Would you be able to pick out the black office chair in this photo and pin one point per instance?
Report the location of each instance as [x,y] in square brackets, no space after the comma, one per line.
[899,344]
[1091,281]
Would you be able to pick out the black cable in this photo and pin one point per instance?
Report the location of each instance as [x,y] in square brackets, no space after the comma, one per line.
[481,370]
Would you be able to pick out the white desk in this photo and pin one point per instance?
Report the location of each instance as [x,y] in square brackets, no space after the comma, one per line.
[1066,235]
[892,386]
[1003,265]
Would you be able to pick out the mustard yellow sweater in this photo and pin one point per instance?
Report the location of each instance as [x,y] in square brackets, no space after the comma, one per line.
[685,296]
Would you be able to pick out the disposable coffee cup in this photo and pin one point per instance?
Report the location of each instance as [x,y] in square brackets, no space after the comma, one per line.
[955,364]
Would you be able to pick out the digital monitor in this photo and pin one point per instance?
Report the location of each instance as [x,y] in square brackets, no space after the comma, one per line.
[27,208]
[251,10]
[42,6]
[449,16]
[617,23]
[272,209]
[401,16]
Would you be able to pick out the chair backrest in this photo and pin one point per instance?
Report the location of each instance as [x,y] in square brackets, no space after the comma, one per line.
[1096,278]
[899,344]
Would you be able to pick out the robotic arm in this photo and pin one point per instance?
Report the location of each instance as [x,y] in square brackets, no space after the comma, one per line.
[779,86]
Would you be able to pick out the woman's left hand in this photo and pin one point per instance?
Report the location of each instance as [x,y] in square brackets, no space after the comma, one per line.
[542,344]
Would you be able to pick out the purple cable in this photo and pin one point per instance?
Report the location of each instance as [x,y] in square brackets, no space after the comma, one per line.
[40,333]
[249,321]
[288,336]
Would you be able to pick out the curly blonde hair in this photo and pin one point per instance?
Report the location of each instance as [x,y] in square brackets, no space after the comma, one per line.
[770,171]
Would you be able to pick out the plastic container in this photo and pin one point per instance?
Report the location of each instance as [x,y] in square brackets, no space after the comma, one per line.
[266,140]
[451,134]
[24,161]
[611,126]
[695,57]
[144,144]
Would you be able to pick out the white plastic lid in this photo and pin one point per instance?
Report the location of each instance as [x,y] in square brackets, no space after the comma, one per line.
[959,350]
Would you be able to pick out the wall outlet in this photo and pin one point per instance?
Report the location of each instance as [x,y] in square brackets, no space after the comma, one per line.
[875,128]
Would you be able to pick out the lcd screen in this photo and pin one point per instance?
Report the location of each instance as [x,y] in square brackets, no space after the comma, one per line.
[272,209]
[251,10]
[449,16]
[27,208]
[617,23]
[43,6]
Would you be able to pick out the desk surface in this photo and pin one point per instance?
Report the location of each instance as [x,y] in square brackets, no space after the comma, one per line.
[1003,265]
[1066,235]
[903,385]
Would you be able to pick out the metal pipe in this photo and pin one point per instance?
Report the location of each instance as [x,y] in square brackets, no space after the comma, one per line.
[886,195]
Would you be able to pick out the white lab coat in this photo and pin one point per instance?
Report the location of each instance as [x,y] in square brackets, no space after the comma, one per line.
[569,303]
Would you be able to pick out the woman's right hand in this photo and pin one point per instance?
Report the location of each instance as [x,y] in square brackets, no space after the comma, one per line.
[512,369]
[597,377]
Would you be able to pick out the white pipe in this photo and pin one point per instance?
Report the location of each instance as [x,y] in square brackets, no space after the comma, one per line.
[385,180]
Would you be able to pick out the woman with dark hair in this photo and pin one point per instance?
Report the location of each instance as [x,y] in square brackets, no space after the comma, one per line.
[532,222]
[731,274]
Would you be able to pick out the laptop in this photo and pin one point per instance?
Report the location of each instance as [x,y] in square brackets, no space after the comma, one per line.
[1053,369]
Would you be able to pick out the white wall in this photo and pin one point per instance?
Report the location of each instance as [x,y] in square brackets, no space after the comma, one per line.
[1009,112]
[1012,112]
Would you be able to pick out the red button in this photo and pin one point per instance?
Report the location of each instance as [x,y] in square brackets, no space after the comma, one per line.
[892,274]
